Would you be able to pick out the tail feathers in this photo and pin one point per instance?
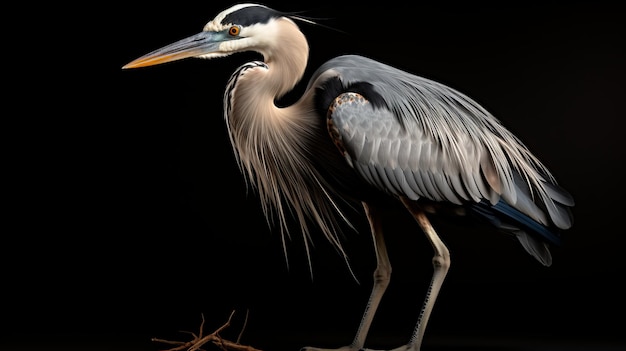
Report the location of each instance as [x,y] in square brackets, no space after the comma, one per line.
[538,249]
[553,206]
[559,208]
[513,217]
[559,194]
[533,236]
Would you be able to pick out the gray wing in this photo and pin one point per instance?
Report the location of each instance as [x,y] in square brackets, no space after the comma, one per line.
[402,159]
[414,137]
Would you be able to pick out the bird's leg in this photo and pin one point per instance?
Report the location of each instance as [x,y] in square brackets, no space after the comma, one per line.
[382,275]
[441,264]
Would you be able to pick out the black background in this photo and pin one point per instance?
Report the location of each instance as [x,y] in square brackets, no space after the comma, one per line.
[128,219]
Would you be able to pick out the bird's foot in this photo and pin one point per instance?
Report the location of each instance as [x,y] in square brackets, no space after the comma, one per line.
[344,348]
[407,347]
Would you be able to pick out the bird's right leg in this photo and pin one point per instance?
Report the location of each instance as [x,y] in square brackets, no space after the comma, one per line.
[382,275]
[441,264]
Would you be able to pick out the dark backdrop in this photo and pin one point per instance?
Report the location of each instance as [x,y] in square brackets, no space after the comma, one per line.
[128,218]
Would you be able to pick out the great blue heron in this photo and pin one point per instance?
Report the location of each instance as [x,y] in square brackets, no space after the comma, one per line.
[364,132]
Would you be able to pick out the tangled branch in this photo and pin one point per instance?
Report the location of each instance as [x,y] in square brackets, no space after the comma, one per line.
[199,340]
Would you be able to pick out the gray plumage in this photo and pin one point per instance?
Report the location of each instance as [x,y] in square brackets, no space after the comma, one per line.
[364,132]
[431,141]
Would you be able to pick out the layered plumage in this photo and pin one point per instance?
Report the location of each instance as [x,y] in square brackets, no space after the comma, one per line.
[413,137]
[365,132]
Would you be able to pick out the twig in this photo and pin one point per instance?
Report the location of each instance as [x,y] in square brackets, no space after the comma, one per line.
[245,322]
[198,340]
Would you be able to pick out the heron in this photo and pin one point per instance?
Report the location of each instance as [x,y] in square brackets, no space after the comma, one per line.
[364,133]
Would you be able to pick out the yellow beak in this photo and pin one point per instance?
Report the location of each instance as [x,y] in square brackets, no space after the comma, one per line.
[196,45]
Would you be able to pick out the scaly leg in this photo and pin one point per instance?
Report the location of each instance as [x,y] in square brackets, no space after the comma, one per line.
[382,275]
[441,264]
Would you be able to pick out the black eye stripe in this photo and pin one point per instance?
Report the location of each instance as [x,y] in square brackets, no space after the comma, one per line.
[251,15]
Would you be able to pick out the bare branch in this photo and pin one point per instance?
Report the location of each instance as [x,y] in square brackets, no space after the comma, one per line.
[245,322]
[198,340]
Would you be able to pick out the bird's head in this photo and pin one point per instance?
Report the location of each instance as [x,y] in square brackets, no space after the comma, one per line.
[243,27]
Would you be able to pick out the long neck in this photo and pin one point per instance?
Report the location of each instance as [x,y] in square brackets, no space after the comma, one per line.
[266,137]
[287,59]
[274,145]
[254,88]
[251,113]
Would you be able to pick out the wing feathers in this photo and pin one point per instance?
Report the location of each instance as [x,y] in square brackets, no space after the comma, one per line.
[440,145]
[492,177]
[403,161]
[413,184]
[455,182]
[392,181]
[406,188]
[446,189]
[559,195]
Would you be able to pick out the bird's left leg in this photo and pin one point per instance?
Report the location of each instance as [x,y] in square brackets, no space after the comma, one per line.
[441,264]
[382,275]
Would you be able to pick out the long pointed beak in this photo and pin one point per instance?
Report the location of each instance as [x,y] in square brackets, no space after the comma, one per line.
[196,45]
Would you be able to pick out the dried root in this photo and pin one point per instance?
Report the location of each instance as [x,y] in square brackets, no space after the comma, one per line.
[199,340]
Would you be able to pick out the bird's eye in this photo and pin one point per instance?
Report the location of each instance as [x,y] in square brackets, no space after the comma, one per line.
[234,30]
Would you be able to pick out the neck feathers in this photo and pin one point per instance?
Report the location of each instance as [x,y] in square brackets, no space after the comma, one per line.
[286,57]
[273,145]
